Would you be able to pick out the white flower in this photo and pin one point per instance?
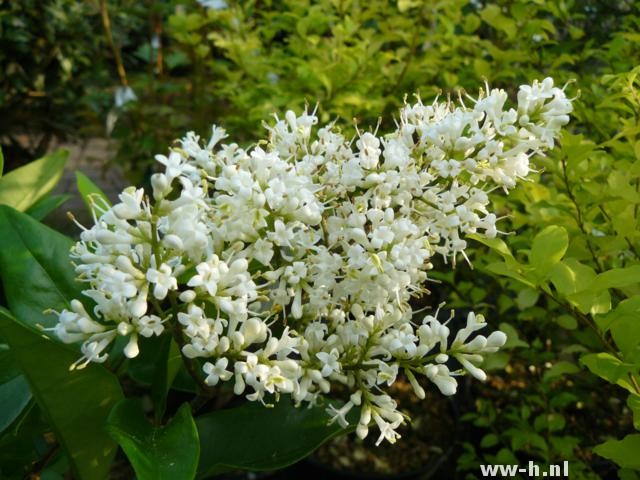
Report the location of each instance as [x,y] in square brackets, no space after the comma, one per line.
[217,372]
[175,165]
[149,325]
[293,264]
[329,361]
[208,276]
[369,147]
[163,279]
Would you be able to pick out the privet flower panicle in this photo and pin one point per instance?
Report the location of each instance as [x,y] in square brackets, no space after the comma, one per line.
[289,268]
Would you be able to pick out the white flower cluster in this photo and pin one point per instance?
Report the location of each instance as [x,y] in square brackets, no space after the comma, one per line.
[290,267]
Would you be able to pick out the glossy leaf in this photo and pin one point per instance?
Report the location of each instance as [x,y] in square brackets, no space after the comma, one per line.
[626,311]
[156,452]
[76,403]
[36,260]
[623,452]
[14,389]
[610,368]
[253,437]
[18,445]
[90,192]
[167,368]
[46,205]
[144,368]
[24,186]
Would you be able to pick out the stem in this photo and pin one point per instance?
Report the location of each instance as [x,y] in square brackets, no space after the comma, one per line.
[585,320]
[42,463]
[634,382]
[106,23]
[579,218]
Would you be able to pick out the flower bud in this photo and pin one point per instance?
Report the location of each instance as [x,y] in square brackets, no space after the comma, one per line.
[187,296]
[161,185]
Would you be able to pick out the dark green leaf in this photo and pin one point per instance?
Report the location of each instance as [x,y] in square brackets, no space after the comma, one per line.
[76,403]
[560,369]
[36,260]
[24,186]
[253,437]
[167,368]
[46,205]
[14,390]
[156,452]
[143,368]
[513,339]
[18,444]
[489,440]
[633,402]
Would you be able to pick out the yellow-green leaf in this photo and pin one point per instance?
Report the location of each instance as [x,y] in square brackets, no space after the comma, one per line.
[24,186]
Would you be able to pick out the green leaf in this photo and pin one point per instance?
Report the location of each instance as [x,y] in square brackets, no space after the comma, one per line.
[492,15]
[624,324]
[90,192]
[495,244]
[574,281]
[527,297]
[489,440]
[566,321]
[617,278]
[610,368]
[626,310]
[46,205]
[623,452]
[570,276]
[167,368]
[523,440]
[24,186]
[252,437]
[560,369]
[18,446]
[144,368]
[1,162]
[549,246]
[36,260]
[503,269]
[552,422]
[76,403]
[633,402]
[14,390]
[156,452]
[513,339]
